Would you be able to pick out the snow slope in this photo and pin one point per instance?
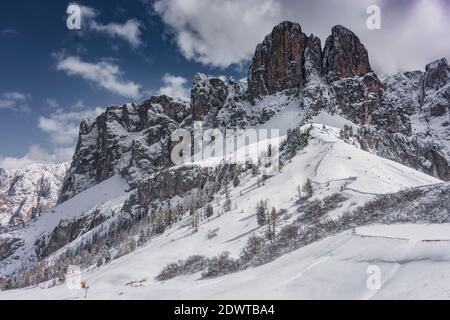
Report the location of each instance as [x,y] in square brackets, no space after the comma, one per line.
[108,194]
[334,268]
[339,261]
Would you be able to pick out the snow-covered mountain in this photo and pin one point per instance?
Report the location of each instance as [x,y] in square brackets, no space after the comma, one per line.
[27,192]
[357,157]
[344,178]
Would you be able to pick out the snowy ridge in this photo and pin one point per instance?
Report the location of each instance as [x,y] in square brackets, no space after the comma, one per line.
[333,166]
[27,192]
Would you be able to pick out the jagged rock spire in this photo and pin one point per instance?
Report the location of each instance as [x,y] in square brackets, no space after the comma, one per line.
[437,74]
[344,55]
[278,61]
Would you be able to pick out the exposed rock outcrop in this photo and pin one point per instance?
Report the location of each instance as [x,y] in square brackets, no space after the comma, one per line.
[416,104]
[437,75]
[278,62]
[313,57]
[132,140]
[344,55]
[347,69]
[208,96]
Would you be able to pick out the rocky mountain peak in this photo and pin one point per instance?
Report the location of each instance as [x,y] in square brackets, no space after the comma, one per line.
[208,95]
[344,55]
[437,75]
[278,63]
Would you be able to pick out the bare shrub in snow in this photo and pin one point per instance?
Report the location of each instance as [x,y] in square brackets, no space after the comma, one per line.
[220,265]
[308,189]
[288,233]
[170,271]
[212,233]
[191,265]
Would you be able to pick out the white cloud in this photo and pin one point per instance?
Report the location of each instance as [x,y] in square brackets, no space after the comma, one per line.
[78,105]
[10,31]
[105,74]
[52,103]
[129,31]
[36,154]
[174,86]
[218,32]
[224,32]
[63,126]
[15,100]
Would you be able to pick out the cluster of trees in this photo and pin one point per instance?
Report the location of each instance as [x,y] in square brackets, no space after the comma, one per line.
[346,132]
[267,217]
[305,192]
[296,140]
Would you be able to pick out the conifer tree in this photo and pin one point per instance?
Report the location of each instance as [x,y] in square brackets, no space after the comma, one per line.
[236,181]
[227,203]
[209,210]
[308,188]
[261,213]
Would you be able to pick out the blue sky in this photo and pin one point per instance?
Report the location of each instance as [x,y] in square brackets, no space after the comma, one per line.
[34,40]
[52,77]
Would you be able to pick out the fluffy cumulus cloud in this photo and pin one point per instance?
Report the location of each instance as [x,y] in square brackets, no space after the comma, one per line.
[129,31]
[218,32]
[62,128]
[174,86]
[14,100]
[105,74]
[36,154]
[225,32]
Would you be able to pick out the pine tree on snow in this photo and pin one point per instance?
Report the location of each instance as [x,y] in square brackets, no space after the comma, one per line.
[209,210]
[261,216]
[236,181]
[308,188]
[227,203]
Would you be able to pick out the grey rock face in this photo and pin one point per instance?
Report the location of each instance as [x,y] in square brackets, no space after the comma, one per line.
[416,105]
[410,151]
[8,246]
[313,57]
[436,90]
[347,69]
[66,232]
[278,62]
[169,183]
[358,97]
[400,99]
[132,140]
[207,98]
[437,75]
